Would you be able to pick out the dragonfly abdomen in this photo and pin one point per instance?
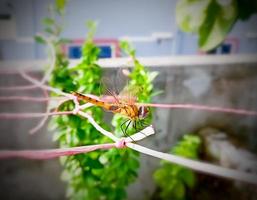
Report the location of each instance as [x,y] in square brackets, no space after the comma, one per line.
[90,100]
[127,110]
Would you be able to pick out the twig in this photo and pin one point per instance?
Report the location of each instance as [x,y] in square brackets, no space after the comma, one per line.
[53,60]
[44,119]
[46,75]
[40,85]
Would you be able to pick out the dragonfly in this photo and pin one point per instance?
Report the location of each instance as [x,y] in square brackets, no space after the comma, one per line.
[123,104]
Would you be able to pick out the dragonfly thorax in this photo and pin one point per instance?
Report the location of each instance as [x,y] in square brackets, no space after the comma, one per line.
[143,112]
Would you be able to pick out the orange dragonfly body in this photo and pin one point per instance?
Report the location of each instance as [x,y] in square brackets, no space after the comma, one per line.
[127,108]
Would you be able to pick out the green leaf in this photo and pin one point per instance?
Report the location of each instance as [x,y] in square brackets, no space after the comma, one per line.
[127,48]
[179,190]
[217,24]
[172,179]
[48,21]
[64,41]
[190,15]
[152,76]
[60,4]
[49,30]
[188,177]
[156,93]
[39,39]
[91,26]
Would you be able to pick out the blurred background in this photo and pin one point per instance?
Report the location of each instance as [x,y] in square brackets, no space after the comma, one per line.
[150,24]
[223,74]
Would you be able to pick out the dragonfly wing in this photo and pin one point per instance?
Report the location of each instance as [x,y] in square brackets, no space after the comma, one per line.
[129,94]
[109,93]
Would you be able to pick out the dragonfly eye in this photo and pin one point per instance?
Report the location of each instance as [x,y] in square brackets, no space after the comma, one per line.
[143,112]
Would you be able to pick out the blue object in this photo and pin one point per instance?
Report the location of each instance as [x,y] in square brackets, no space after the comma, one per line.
[75,52]
[106,52]
[225,48]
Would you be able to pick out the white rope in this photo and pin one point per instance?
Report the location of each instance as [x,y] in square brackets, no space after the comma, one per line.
[198,165]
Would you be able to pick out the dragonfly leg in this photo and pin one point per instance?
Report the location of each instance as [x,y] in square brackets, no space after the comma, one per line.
[135,125]
[121,126]
[125,131]
[140,123]
[143,124]
[127,126]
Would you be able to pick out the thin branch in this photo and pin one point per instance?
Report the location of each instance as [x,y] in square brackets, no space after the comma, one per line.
[40,85]
[52,62]
[46,75]
[44,119]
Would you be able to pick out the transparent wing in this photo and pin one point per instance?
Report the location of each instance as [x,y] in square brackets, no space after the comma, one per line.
[117,90]
[129,94]
[109,92]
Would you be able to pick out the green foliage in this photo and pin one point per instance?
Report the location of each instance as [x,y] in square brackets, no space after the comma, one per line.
[60,6]
[39,39]
[99,174]
[173,180]
[212,19]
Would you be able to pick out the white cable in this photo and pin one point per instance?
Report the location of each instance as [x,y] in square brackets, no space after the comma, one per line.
[198,165]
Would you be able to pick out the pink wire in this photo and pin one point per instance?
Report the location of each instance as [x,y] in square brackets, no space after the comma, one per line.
[14,71]
[25,98]
[31,115]
[110,99]
[201,107]
[17,88]
[53,153]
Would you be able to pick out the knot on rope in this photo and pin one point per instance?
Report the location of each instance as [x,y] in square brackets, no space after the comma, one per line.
[121,143]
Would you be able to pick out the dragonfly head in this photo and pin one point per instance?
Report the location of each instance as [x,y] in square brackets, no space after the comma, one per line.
[143,112]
